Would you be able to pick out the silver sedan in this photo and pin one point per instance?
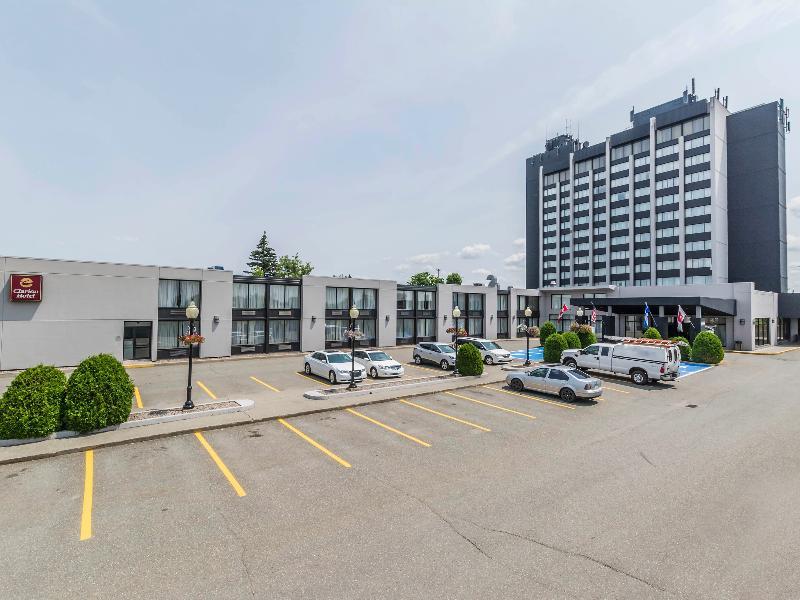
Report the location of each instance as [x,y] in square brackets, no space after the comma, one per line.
[568,383]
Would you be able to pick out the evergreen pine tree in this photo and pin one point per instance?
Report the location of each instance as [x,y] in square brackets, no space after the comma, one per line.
[263,260]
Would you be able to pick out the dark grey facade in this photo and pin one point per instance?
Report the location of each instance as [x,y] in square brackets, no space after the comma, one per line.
[757,197]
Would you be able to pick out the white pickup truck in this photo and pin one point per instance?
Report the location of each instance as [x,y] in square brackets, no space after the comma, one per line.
[642,359]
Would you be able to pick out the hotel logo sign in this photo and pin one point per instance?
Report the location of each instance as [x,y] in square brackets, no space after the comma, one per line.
[25,288]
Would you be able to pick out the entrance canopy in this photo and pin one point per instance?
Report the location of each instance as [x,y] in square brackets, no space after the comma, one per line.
[721,307]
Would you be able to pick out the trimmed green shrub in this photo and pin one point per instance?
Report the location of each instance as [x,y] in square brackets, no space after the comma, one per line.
[468,360]
[683,346]
[707,348]
[545,331]
[585,334]
[31,406]
[553,348]
[651,333]
[99,394]
[572,339]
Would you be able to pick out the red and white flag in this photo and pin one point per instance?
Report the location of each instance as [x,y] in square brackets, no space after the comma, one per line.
[593,318]
[564,309]
[681,317]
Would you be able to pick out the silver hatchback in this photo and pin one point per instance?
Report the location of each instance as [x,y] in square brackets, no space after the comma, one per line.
[566,382]
[436,353]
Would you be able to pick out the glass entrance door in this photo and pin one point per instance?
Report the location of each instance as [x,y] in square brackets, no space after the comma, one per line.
[136,342]
[762,332]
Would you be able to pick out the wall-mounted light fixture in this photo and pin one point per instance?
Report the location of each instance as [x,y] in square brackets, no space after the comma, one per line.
[216,318]
[313,319]
[387,318]
[741,321]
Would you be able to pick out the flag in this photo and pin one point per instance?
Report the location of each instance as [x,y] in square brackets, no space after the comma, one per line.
[647,313]
[593,318]
[564,308]
[681,317]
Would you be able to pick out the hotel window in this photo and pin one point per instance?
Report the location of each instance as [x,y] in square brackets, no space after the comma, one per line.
[548,228]
[698,263]
[668,281]
[619,270]
[549,203]
[672,215]
[698,228]
[642,207]
[697,159]
[667,232]
[642,252]
[642,237]
[367,327]
[620,255]
[170,331]
[337,298]
[599,189]
[475,326]
[405,300]
[581,181]
[426,327]
[668,248]
[639,192]
[581,220]
[405,328]
[566,262]
[247,333]
[640,146]
[668,133]
[643,268]
[600,245]
[249,295]
[460,300]
[641,161]
[364,298]
[581,272]
[697,211]
[582,166]
[550,264]
[620,210]
[667,183]
[550,179]
[697,142]
[701,245]
[667,151]
[599,217]
[698,194]
[619,168]
[668,199]
[581,207]
[668,265]
[177,293]
[633,326]
[284,331]
[565,213]
[599,175]
[335,328]
[619,196]
[641,282]
[643,176]
[620,226]
[599,272]
[426,300]
[599,203]
[284,297]
[565,239]
[696,125]
[502,302]
[599,231]
[664,167]
[620,239]
[698,279]
[581,247]
[622,181]
[699,176]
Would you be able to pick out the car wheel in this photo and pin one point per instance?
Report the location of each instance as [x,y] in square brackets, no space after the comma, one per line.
[332,377]
[444,365]
[417,359]
[373,372]
[308,369]
[638,377]
[567,395]
[517,385]
[571,362]
[488,360]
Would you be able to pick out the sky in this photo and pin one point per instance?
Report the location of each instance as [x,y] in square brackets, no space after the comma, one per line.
[376,139]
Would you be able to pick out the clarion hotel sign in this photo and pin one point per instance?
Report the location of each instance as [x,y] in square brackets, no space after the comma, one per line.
[25,288]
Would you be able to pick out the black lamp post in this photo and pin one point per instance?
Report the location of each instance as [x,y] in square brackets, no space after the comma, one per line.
[353,317]
[456,315]
[528,313]
[191,313]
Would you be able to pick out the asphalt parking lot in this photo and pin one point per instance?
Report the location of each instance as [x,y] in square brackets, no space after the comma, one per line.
[665,491]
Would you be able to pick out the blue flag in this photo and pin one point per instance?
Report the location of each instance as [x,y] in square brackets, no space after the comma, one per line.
[647,313]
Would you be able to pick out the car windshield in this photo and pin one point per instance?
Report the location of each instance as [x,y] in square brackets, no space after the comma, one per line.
[579,374]
[491,346]
[340,357]
[378,356]
[446,348]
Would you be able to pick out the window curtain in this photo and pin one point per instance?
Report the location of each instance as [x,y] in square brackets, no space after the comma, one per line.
[240,295]
[405,299]
[256,295]
[367,327]
[336,298]
[284,332]
[475,326]
[190,292]
[425,327]
[334,329]
[425,301]
[405,328]
[167,293]
[364,299]
[292,296]
[475,302]
[168,332]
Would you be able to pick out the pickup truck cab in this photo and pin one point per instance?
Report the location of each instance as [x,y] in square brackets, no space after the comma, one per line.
[642,360]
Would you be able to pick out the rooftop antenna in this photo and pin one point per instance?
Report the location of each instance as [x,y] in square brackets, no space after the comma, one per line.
[725,102]
[692,86]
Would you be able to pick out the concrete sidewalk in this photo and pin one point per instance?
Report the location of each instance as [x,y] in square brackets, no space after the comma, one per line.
[281,405]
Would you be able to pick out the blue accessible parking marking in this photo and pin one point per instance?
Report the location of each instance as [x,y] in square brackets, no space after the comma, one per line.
[689,368]
[536,354]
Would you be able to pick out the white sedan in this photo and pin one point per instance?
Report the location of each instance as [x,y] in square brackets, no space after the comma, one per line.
[333,366]
[379,364]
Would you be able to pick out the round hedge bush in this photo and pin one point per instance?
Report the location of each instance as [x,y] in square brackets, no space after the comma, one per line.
[707,348]
[683,346]
[545,331]
[468,360]
[587,338]
[651,333]
[573,341]
[553,348]
[99,394]
[31,406]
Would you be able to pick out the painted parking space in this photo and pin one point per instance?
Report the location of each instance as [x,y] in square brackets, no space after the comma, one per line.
[690,368]
[534,354]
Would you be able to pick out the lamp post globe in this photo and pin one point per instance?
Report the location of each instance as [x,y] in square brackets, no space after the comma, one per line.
[456,315]
[579,314]
[353,317]
[528,313]
[192,312]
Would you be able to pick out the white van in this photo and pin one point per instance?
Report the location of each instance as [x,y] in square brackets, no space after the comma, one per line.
[642,359]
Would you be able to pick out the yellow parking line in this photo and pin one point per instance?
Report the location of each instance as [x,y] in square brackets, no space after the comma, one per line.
[225,471]
[441,414]
[426,368]
[206,390]
[312,378]
[503,408]
[388,428]
[266,385]
[530,397]
[314,443]
[88,485]
[606,387]
[138,397]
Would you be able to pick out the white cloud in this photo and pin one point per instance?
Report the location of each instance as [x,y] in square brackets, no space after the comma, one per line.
[515,262]
[519,243]
[402,267]
[474,251]
[482,272]
[794,206]
[425,259]
[793,243]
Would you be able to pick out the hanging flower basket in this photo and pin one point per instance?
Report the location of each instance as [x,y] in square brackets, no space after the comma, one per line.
[192,338]
[353,334]
[460,332]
